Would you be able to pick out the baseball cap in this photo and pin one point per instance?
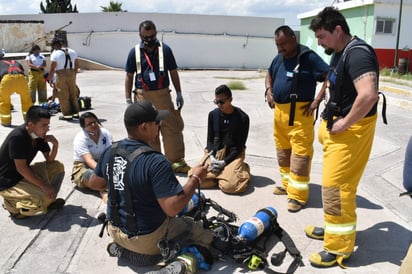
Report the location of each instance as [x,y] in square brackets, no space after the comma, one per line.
[141,112]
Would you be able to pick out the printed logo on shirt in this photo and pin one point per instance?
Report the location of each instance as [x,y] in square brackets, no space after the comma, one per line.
[119,167]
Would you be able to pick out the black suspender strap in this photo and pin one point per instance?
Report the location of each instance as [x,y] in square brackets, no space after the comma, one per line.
[131,224]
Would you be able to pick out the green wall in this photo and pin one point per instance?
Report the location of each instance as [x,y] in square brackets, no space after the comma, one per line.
[361,24]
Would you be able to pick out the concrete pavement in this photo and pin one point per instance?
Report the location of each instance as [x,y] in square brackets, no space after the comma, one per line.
[67,241]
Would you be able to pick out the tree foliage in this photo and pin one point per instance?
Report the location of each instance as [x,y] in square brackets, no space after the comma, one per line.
[113,7]
[58,6]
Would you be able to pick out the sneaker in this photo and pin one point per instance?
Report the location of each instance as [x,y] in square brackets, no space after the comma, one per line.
[180,167]
[323,259]
[114,250]
[294,206]
[57,204]
[315,232]
[175,267]
[279,190]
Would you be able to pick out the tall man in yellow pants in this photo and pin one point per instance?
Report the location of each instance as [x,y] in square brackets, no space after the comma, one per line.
[346,133]
[290,89]
[12,79]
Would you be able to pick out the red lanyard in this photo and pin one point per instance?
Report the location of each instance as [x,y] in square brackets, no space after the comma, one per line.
[148,60]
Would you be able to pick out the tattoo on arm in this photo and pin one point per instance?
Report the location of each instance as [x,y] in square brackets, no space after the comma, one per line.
[368,74]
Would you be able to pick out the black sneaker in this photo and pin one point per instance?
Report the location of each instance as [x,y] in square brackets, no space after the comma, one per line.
[176,267]
[59,203]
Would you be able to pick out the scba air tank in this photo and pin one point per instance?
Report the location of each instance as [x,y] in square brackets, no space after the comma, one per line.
[192,204]
[255,226]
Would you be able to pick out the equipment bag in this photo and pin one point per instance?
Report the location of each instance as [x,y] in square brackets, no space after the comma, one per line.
[85,102]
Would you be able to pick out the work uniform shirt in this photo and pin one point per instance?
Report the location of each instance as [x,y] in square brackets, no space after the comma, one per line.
[83,144]
[59,56]
[36,60]
[150,63]
[311,70]
[151,177]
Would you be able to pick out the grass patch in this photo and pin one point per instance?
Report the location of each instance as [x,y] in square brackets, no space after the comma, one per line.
[236,85]
[396,77]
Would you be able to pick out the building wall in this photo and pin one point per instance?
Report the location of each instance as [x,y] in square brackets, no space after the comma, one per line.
[18,35]
[198,41]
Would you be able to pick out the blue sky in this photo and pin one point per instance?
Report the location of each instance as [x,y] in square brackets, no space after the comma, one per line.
[266,8]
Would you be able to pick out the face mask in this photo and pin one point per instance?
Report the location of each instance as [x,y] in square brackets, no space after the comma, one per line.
[36,54]
[149,43]
[34,136]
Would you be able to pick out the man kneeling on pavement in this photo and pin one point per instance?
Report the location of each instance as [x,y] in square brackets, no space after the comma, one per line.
[145,197]
[30,190]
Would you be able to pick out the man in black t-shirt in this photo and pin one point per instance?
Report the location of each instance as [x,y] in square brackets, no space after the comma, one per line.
[346,133]
[27,189]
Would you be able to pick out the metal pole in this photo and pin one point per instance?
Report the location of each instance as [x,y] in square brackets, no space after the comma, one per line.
[395,66]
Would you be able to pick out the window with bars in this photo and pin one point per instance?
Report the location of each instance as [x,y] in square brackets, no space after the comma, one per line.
[384,25]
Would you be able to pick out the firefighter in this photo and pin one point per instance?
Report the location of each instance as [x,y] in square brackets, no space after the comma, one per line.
[12,79]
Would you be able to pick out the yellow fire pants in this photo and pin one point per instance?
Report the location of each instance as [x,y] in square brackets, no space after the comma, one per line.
[67,92]
[28,199]
[172,126]
[294,148]
[234,178]
[37,84]
[345,156]
[10,84]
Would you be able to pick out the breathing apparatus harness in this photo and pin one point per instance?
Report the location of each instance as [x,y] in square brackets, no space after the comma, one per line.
[226,242]
[229,246]
[334,103]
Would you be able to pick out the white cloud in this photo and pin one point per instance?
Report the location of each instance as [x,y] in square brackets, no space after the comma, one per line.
[288,9]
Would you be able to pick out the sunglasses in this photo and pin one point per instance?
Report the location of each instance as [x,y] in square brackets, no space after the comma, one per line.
[149,37]
[220,102]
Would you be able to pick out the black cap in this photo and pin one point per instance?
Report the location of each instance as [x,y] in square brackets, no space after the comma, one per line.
[141,112]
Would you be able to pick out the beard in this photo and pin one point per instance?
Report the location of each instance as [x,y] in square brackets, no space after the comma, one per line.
[329,51]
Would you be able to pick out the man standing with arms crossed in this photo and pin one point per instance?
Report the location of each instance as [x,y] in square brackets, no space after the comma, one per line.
[346,133]
[290,89]
[151,60]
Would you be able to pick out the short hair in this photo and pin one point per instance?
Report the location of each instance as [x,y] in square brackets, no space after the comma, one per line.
[286,30]
[147,25]
[87,114]
[223,89]
[35,113]
[34,48]
[328,19]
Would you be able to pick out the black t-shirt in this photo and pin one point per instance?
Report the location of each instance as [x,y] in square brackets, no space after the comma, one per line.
[17,145]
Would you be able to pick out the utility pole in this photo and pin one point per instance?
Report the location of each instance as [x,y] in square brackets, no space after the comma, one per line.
[395,65]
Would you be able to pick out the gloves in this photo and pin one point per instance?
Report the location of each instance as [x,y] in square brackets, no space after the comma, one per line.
[216,166]
[179,100]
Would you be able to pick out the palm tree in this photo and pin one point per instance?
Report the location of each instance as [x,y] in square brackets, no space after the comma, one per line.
[113,7]
[58,6]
